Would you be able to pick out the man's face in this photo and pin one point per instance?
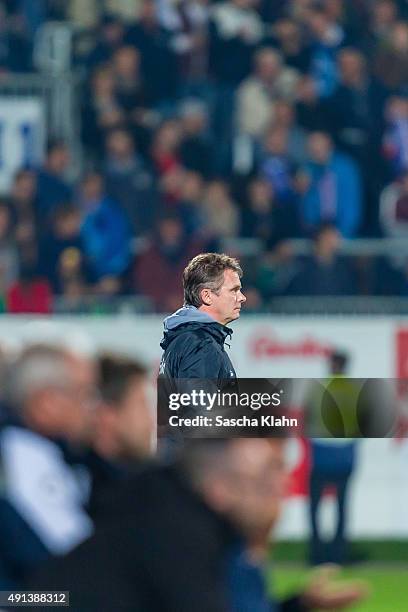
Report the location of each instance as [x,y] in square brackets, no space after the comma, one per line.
[124,430]
[251,490]
[135,421]
[225,304]
[79,397]
[268,66]
[320,148]
[67,411]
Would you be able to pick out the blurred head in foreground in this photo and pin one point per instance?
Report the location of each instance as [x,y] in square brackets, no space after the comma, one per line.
[53,392]
[124,419]
[244,479]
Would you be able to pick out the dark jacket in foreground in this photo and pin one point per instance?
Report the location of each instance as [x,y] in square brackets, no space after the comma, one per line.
[163,550]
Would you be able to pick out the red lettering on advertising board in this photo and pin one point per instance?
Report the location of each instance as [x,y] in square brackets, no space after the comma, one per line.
[268,346]
[402,353]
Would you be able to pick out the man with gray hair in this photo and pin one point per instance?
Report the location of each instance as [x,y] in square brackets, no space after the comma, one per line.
[194,335]
[42,498]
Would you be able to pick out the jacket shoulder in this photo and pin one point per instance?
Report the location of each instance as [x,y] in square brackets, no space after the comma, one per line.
[190,339]
[194,354]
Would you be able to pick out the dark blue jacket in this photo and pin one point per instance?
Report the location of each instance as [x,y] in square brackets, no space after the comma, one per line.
[193,345]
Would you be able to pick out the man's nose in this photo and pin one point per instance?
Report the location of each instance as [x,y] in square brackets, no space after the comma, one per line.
[242,297]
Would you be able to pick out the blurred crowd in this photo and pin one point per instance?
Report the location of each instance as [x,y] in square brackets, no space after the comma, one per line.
[89,505]
[206,121]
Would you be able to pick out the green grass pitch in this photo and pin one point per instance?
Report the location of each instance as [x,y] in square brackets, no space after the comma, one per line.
[388,584]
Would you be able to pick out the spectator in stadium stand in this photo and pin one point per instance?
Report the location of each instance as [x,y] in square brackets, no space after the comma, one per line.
[333,459]
[327,36]
[15,44]
[24,206]
[390,62]
[264,216]
[165,147]
[276,165]
[324,272]
[190,553]
[130,89]
[196,146]
[257,94]
[163,261]
[311,111]
[395,139]
[105,230]
[171,187]
[394,208]
[276,270]
[73,285]
[332,188]
[52,188]
[285,116]
[159,62]
[64,234]
[109,38]
[235,31]
[101,111]
[188,24]
[123,436]
[9,260]
[356,110]
[129,181]
[51,391]
[381,18]
[33,14]
[190,207]
[31,293]
[287,35]
[222,216]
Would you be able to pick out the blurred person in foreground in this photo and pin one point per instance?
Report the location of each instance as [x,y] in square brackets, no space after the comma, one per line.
[122,438]
[182,539]
[42,497]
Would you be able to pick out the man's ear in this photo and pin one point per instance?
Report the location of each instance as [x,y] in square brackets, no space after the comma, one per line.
[206,297]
